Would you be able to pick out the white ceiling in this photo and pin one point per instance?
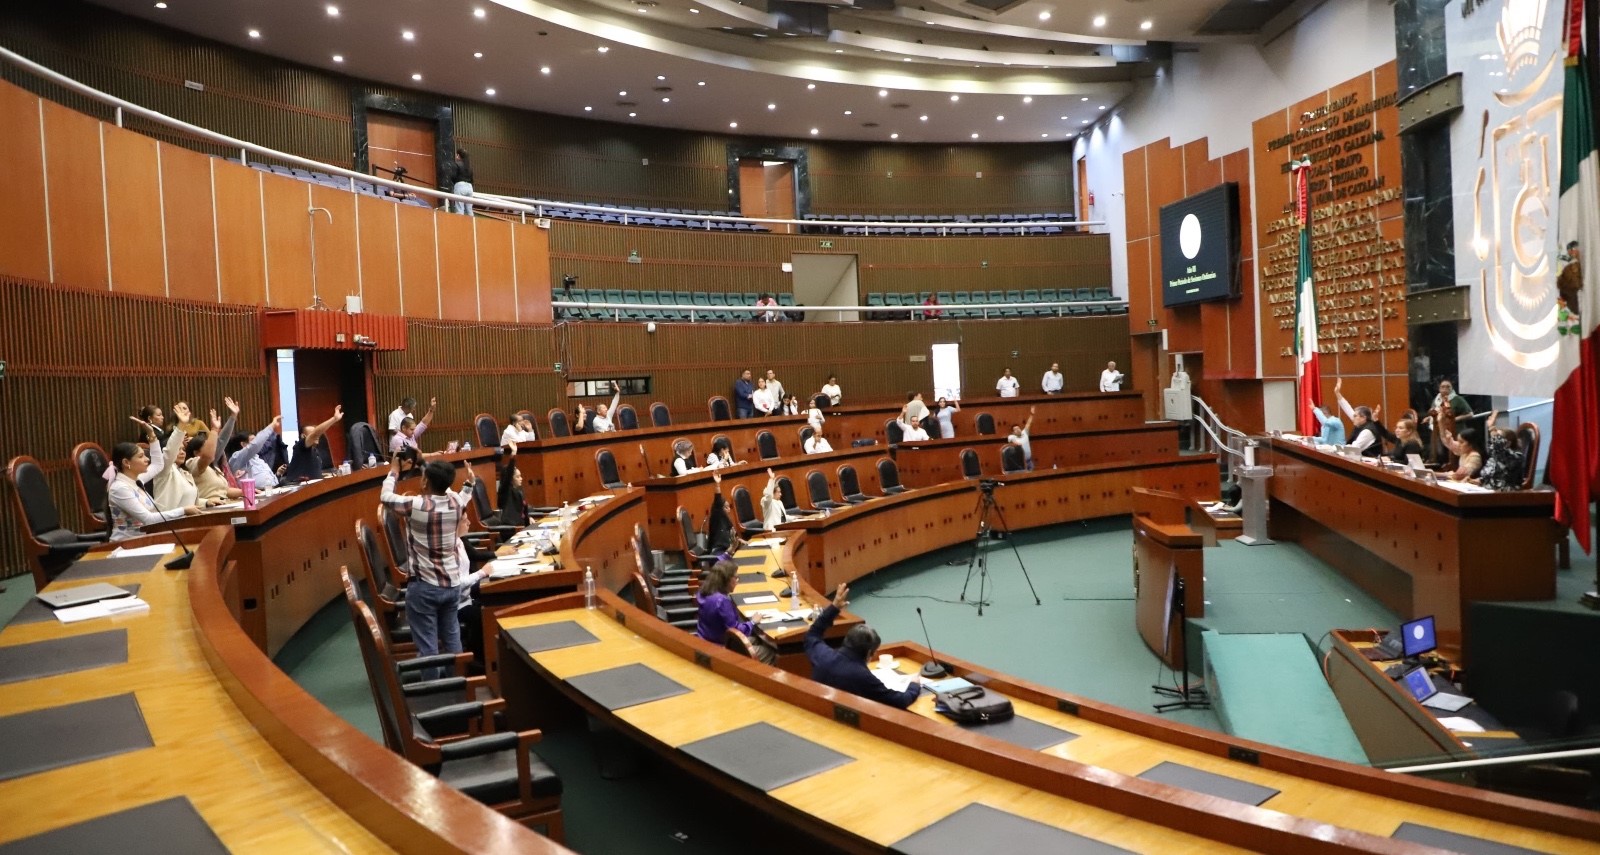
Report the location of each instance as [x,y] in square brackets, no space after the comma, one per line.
[960,66]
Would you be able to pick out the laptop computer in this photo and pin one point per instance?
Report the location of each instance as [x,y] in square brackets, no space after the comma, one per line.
[1421,686]
[81,595]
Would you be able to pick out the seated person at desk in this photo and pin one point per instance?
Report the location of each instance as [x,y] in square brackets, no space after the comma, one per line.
[130,507]
[202,457]
[683,457]
[720,539]
[846,668]
[721,455]
[1332,428]
[245,458]
[718,614]
[912,432]
[1405,439]
[411,429]
[1468,448]
[771,503]
[173,483]
[1021,436]
[601,422]
[1503,464]
[519,430]
[1364,420]
[817,444]
[305,462]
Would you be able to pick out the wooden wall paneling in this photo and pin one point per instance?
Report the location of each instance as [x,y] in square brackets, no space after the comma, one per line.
[1242,322]
[535,276]
[458,267]
[337,266]
[380,255]
[419,271]
[288,237]
[1275,261]
[133,213]
[497,288]
[190,224]
[76,190]
[241,253]
[24,226]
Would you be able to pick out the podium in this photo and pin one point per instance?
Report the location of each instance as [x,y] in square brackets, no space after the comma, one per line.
[1253,489]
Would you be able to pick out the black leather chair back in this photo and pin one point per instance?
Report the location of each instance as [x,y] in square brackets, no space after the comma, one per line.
[396,722]
[660,416]
[718,407]
[488,430]
[1528,442]
[849,485]
[363,443]
[626,418]
[821,401]
[646,558]
[394,533]
[480,499]
[786,494]
[970,469]
[743,509]
[606,464]
[1011,459]
[805,434]
[767,445]
[89,462]
[888,475]
[985,424]
[892,429]
[559,426]
[817,486]
[38,507]
[376,563]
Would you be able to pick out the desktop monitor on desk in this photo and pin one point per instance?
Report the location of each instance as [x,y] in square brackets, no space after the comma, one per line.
[1416,637]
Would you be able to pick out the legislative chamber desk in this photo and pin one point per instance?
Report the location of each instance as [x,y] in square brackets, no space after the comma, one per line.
[1081,767]
[1420,549]
[1170,534]
[938,461]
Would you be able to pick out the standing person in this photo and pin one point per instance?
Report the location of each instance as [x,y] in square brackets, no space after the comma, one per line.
[1021,436]
[945,410]
[832,390]
[774,386]
[915,410]
[601,422]
[1053,382]
[411,429]
[512,499]
[743,390]
[1446,410]
[305,461]
[398,415]
[846,668]
[762,400]
[1111,378]
[432,522]
[461,181]
[1007,385]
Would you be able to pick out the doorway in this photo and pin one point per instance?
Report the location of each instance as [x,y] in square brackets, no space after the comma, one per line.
[767,189]
[310,383]
[826,279]
[397,141]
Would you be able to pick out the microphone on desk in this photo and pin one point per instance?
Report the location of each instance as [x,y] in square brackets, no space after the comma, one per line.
[933,668]
[183,561]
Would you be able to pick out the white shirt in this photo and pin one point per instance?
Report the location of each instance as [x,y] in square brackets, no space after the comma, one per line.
[1025,442]
[912,433]
[775,388]
[602,424]
[818,445]
[1052,382]
[1365,437]
[395,418]
[815,418]
[833,392]
[763,401]
[1007,387]
[1110,380]
[512,433]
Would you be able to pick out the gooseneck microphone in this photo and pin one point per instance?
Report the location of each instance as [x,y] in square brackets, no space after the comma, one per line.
[183,561]
[933,669]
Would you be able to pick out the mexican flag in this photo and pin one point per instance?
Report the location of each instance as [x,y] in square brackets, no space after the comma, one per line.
[1575,430]
[1308,365]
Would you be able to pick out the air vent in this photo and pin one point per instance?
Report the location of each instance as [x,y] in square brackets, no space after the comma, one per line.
[869,124]
[663,89]
[899,106]
[627,103]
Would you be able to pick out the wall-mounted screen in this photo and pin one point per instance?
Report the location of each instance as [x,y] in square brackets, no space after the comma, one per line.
[1200,247]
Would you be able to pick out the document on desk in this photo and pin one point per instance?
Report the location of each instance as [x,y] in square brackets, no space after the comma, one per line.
[765,541]
[1462,486]
[1460,724]
[102,608]
[141,551]
[894,680]
[759,599]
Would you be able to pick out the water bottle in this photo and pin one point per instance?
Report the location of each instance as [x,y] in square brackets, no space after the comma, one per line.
[794,593]
[372,461]
[247,487]
[466,446]
[588,587]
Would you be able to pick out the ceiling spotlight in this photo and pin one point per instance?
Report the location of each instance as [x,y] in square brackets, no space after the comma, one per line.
[1145,25]
[1063,118]
[489,92]
[544,69]
[602,49]
[338,57]
[974,136]
[849,112]
[588,109]
[733,124]
[477,54]
[883,93]
[699,83]
[905,59]
[999,118]
[894,136]
[479,13]
[1085,121]
[416,77]
[811,85]
[922,118]
[633,115]
[255,34]
[161,5]
[1027,99]
[661,77]
[772,106]
[838,50]
[955,97]
[1044,135]
[333,11]
[1084,98]
[1102,106]
[813,131]
[1044,16]
[408,35]
[666,100]
[622,94]
[1099,20]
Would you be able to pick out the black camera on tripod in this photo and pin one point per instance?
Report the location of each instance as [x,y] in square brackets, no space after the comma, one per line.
[987,485]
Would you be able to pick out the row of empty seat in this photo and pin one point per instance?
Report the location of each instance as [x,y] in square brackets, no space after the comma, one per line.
[708,306]
[365,188]
[973,304]
[948,224]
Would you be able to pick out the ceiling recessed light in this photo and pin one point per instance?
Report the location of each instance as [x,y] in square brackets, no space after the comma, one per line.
[544,69]
[1085,121]
[849,112]
[416,77]
[333,11]
[661,77]
[905,59]
[161,5]
[1099,20]
[883,93]
[1084,98]
[1044,135]
[1063,118]
[666,100]
[489,92]
[1027,99]
[1145,25]
[588,109]
[622,94]
[772,106]
[408,35]
[602,49]
[894,136]
[974,136]
[477,54]
[694,11]
[633,115]
[811,85]
[338,57]
[999,118]
[922,118]
[479,12]
[699,83]
[255,34]
[838,50]
[813,131]
[641,10]
[955,97]
[1044,16]
[1102,106]
[733,124]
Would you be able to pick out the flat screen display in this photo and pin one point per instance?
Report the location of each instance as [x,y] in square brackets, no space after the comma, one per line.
[1417,636]
[1200,247]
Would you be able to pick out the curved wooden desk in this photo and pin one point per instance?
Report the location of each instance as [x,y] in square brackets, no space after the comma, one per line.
[938,461]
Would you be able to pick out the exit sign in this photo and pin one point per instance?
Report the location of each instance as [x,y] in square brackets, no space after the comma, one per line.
[827,244]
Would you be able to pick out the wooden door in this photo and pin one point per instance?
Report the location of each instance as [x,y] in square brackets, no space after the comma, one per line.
[394,139]
[766,189]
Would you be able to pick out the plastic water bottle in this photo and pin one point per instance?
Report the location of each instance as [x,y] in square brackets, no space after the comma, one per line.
[466,446]
[588,587]
[794,593]
[372,461]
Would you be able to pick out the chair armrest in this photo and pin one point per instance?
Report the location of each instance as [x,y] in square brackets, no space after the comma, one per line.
[478,746]
[92,537]
[457,662]
[462,718]
[436,687]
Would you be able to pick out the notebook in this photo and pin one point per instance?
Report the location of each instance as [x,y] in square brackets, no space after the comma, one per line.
[77,596]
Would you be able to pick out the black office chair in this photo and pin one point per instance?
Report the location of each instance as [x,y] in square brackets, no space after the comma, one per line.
[89,465]
[50,547]
[694,555]
[626,418]
[644,599]
[376,588]
[660,574]
[606,464]
[805,434]
[484,510]
[985,424]
[767,445]
[1012,460]
[889,477]
[817,486]
[850,486]
[717,407]
[744,512]
[488,431]
[970,469]
[894,432]
[559,425]
[660,416]
[1528,441]
[362,443]
[791,507]
[821,401]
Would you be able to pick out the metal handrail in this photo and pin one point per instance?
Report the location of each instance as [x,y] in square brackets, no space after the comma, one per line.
[1213,414]
[617,308]
[1508,760]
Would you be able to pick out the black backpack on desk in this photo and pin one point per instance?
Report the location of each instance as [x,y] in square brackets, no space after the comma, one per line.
[973,704]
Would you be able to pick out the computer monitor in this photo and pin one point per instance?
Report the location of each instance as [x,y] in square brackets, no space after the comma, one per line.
[1417,637]
[1420,684]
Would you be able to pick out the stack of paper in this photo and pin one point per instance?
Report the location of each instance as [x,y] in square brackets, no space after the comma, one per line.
[102,608]
[758,599]
[894,680]
[778,616]
[138,551]
[765,541]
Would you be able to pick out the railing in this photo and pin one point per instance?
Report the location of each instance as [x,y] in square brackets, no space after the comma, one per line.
[917,312]
[1222,438]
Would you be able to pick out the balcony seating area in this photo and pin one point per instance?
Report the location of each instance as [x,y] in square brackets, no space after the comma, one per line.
[709,306]
[961,305]
[713,306]
[964,225]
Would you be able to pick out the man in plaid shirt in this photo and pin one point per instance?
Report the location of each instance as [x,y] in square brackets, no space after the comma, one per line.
[433,520]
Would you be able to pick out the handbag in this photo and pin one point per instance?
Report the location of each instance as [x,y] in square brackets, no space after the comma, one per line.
[972,704]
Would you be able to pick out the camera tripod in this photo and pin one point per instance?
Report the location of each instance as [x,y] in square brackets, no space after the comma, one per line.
[980,559]
[1187,696]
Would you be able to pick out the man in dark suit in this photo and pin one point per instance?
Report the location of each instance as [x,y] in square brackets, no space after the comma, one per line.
[846,668]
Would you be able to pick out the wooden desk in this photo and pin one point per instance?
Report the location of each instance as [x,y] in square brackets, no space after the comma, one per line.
[938,461]
[1420,549]
[1072,412]
[1165,549]
[861,539]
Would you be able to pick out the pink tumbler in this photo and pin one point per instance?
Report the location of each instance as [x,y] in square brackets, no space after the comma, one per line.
[248,487]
